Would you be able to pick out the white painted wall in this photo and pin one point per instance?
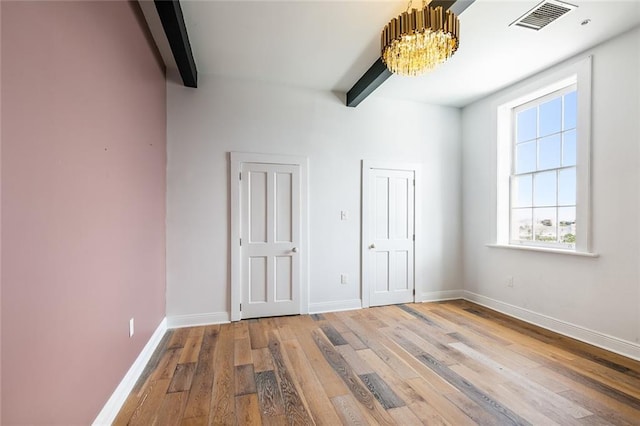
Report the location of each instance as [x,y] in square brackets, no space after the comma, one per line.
[225,115]
[598,294]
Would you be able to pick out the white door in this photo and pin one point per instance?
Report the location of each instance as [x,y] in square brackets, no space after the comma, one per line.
[388,235]
[269,239]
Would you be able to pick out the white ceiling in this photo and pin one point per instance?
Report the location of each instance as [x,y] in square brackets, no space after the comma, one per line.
[328,45]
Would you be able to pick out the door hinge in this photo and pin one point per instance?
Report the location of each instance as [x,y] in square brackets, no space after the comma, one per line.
[240,241]
[414,237]
[414,182]
[240,176]
[414,291]
[241,306]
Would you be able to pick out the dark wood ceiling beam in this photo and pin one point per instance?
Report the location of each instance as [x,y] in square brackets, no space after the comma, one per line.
[378,72]
[170,14]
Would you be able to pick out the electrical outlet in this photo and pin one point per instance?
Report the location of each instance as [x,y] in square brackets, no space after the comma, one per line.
[344,279]
[131,327]
[510,281]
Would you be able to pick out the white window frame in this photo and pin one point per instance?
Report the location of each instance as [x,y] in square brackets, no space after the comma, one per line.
[578,73]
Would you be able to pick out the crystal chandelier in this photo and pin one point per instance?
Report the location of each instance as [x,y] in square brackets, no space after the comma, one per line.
[419,40]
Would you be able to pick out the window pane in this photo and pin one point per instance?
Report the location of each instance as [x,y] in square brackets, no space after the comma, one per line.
[567,224]
[550,117]
[570,110]
[549,152]
[569,148]
[521,221]
[527,124]
[544,224]
[522,194]
[544,189]
[525,157]
[567,187]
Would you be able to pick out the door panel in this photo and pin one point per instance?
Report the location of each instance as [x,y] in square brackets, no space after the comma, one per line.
[382,271]
[270,216]
[257,187]
[283,207]
[284,278]
[258,279]
[402,270]
[389,253]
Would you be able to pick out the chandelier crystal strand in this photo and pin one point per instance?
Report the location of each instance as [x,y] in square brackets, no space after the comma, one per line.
[417,41]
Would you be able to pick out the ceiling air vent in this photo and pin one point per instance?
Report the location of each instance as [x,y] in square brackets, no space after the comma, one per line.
[543,14]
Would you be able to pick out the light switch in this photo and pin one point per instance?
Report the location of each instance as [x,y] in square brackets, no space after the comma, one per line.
[344,215]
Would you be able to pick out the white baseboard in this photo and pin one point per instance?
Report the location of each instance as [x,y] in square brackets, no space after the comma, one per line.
[192,320]
[437,296]
[111,409]
[601,340]
[340,305]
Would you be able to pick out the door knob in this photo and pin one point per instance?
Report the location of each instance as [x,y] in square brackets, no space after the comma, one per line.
[295,249]
[372,246]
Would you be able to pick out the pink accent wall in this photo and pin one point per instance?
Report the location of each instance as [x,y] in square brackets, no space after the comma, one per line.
[83,204]
[0,215]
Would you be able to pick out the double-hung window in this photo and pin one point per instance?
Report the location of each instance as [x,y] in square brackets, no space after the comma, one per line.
[543,163]
[543,176]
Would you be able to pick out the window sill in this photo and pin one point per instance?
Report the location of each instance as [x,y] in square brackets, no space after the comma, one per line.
[544,250]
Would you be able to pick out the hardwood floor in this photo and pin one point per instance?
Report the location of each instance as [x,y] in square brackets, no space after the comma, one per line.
[449,363]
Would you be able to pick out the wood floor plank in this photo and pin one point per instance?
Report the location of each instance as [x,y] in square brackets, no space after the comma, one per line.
[284,329]
[294,407]
[262,360]
[383,347]
[359,391]
[199,402]
[182,378]
[256,334]
[179,338]
[331,318]
[557,407]
[245,380]
[222,410]
[319,404]
[347,409]
[500,412]
[192,346]
[354,341]
[149,406]
[381,391]
[172,409]
[443,405]
[404,416]
[194,421]
[601,409]
[167,366]
[333,335]
[357,364]
[427,319]
[591,398]
[416,402]
[269,394]
[331,382]
[242,351]
[248,409]
[448,363]
[240,329]
[529,409]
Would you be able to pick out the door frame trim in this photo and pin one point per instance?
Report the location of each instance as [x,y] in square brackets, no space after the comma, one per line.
[235,268]
[417,223]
